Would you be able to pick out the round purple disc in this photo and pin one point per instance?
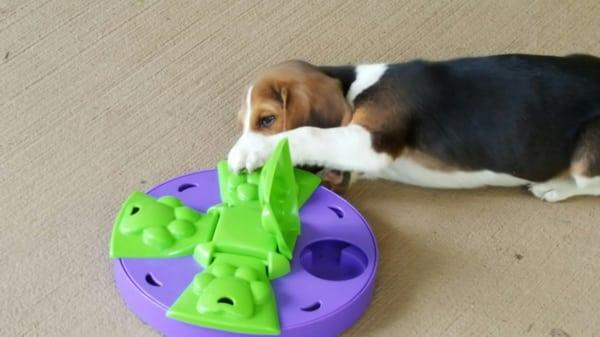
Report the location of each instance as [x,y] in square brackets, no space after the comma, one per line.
[328,289]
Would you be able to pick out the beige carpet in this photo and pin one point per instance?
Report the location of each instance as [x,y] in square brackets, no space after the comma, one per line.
[99,98]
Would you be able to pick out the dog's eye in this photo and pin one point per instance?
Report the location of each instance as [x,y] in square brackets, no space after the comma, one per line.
[266,121]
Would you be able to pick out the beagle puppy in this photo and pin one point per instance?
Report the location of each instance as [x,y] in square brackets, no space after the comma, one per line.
[503,120]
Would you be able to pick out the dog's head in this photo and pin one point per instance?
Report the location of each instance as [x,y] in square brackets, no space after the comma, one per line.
[290,95]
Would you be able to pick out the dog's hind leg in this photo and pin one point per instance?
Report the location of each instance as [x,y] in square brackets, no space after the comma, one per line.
[584,173]
[585,168]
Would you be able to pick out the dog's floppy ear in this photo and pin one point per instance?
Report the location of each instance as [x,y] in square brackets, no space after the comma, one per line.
[329,107]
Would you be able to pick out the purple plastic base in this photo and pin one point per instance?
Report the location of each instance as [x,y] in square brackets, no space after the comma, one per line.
[329,288]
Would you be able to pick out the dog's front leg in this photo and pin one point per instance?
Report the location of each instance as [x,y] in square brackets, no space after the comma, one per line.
[346,148]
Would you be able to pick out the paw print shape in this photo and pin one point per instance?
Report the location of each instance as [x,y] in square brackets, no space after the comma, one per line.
[227,289]
[161,224]
[238,188]
[161,221]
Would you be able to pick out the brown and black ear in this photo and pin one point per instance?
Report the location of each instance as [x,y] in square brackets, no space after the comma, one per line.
[329,107]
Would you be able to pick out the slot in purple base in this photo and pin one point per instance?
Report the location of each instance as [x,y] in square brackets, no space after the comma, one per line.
[330,286]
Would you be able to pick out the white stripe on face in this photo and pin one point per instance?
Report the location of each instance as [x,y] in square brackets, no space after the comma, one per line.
[248,112]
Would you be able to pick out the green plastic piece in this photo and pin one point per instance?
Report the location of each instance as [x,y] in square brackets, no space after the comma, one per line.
[281,190]
[236,189]
[163,227]
[279,199]
[240,231]
[277,265]
[242,187]
[307,184]
[232,294]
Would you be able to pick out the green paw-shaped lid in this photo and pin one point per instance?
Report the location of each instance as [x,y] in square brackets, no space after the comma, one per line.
[236,189]
[239,188]
[233,294]
[158,227]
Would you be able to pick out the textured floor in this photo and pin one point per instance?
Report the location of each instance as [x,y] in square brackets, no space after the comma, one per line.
[99,98]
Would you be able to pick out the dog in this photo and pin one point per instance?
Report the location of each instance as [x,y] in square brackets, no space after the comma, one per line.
[502,120]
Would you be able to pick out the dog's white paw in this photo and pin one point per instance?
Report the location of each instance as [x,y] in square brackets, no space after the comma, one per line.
[250,152]
[553,191]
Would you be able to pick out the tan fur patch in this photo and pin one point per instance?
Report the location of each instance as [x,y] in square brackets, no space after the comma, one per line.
[387,119]
[365,116]
[428,161]
[586,159]
[580,167]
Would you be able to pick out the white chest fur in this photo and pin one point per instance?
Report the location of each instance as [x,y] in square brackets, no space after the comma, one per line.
[408,171]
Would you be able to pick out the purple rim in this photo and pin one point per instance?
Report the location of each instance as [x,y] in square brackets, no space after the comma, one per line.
[329,288]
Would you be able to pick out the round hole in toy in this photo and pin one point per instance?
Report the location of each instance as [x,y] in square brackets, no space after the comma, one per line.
[333,260]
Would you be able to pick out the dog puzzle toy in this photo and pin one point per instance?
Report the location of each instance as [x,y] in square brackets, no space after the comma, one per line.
[261,253]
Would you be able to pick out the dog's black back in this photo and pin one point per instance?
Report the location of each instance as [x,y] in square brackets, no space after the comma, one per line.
[514,114]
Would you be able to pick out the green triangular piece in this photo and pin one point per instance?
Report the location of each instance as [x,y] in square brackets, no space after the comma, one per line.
[233,294]
[307,184]
[148,227]
[279,199]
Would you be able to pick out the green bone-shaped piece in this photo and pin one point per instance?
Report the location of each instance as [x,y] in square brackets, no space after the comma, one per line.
[232,294]
[158,227]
